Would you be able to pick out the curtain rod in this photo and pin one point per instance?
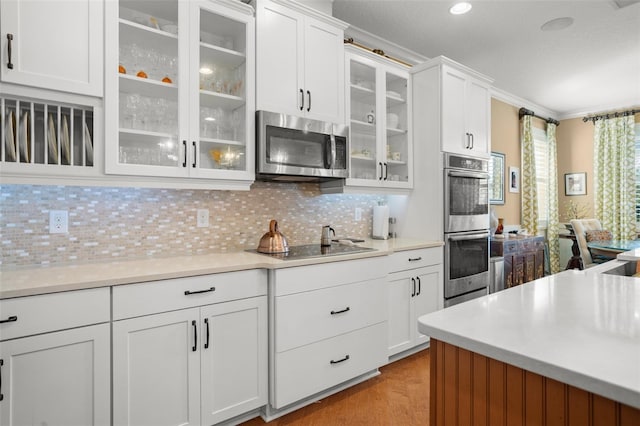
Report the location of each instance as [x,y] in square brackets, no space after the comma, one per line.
[376,51]
[523,111]
[607,116]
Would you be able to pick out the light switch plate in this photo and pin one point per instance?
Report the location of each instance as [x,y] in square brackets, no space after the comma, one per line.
[202,218]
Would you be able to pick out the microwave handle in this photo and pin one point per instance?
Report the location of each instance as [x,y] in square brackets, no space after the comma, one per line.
[332,151]
[467,174]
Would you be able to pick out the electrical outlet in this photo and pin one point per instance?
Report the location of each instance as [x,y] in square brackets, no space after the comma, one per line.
[202,218]
[58,222]
[358,214]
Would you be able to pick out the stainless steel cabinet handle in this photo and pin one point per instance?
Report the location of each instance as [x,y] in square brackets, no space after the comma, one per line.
[184,163]
[195,336]
[195,154]
[206,343]
[347,309]
[12,318]
[9,40]
[340,360]
[188,292]
[301,99]
[413,287]
[309,101]
[419,286]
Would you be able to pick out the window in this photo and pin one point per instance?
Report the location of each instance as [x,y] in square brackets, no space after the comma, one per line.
[542,175]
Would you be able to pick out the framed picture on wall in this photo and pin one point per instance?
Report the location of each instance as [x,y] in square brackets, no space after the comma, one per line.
[514,179]
[575,183]
[496,178]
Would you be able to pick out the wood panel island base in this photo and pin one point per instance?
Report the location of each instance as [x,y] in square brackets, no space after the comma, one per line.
[471,389]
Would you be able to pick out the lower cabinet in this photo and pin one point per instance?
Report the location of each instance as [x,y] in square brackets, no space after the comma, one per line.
[414,289]
[197,366]
[55,377]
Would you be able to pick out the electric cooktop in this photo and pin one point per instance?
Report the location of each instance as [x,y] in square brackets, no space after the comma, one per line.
[316,250]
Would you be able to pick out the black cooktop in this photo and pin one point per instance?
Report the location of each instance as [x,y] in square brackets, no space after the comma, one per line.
[316,250]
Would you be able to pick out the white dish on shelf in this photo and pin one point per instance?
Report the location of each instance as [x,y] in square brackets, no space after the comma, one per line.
[23,137]
[66,148]
[88,145]
[51,139]
[9,137]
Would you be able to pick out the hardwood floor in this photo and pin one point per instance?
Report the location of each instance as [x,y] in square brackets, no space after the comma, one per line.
[398,396]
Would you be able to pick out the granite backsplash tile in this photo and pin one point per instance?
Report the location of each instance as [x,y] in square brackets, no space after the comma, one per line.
[117,223]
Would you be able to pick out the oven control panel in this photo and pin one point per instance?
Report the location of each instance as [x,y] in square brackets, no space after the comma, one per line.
[466,163]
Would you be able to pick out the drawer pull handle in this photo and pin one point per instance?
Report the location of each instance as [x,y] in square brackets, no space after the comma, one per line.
[195,336]
[206,344]
[347,309]
[415,259]
[340,360]
[413,287]
[12,318]
[187,292]
[1,364]
[419,286]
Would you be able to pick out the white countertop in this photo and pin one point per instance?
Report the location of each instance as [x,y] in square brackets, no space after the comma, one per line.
[577,328]
[50,279]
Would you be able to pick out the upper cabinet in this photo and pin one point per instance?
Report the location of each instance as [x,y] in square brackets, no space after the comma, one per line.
[299,60]
[465,105]
[53,45]
[180,93]
[379,119]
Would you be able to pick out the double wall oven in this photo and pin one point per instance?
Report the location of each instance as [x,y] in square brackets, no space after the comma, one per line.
[466,228]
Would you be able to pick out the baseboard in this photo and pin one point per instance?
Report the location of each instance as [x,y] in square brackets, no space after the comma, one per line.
[408,352]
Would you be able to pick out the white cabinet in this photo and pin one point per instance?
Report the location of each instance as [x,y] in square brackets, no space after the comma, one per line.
[379,118]
[203,364]
[464,105]
[180,93]
[413,290]
[299,61]
[55,367]
[53,45]
[329,325]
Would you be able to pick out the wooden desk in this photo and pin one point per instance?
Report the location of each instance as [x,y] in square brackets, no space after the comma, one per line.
[576,260]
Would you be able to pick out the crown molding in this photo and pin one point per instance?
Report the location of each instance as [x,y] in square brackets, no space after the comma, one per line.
[519,102]
[391,49]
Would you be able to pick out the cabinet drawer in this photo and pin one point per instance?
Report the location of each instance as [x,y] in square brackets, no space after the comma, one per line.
[167,295]
[314,277]
[309,369]
[55,311]
[307,317]
[411,259]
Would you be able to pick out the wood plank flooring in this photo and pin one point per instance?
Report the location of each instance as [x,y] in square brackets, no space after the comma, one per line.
[398,396]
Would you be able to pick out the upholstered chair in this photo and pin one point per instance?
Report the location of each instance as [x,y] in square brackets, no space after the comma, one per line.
[580,228]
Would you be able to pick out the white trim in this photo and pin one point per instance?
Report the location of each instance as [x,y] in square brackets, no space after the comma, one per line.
[365,38]
[517,101]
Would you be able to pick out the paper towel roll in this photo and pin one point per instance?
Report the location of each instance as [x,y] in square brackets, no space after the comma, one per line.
[380,222]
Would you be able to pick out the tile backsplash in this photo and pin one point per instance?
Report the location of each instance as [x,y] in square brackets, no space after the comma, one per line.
[119,223]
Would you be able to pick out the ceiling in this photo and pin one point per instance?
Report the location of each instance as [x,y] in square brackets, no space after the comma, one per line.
[590,67]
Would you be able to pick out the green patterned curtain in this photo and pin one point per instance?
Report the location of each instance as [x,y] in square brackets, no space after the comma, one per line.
[614,175]
[552,201]
[528,175]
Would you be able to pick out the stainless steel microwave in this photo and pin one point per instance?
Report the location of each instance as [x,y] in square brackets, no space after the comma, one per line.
[299,149]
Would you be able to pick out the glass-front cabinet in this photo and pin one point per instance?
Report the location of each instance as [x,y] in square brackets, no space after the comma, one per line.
[180,94]
[379,121]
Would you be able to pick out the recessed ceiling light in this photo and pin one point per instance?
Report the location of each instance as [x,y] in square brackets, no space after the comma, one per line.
[460,8]
[557,24]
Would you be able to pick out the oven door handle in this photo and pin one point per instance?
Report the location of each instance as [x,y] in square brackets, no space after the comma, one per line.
[467,237]
[454,173]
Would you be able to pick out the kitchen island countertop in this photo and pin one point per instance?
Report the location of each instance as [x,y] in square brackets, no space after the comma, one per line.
[577,328]
[50,279]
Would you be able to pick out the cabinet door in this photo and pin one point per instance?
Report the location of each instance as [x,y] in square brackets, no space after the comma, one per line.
[156,371]
[56,45]
[428,282]
[233,358]
[478,110]
[396,143]
[323,71]
[453,135]
[59,378]
[221,101]
[400,294]
[279,57]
